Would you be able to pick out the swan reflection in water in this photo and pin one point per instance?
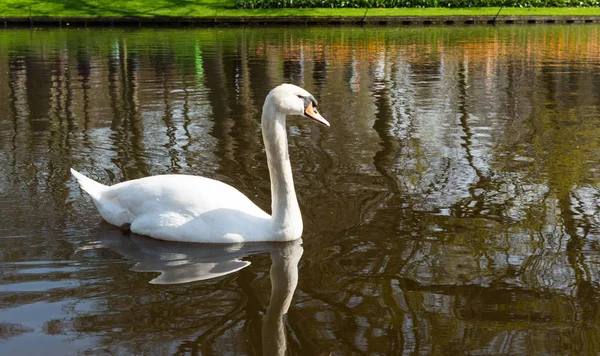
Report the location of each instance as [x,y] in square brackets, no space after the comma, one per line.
[181,262]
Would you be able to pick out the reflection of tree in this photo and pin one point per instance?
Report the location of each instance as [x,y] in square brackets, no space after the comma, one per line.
[171,145]
[236,116]
[467,137]
[219,97]
[17,104]
[493,256]
[127,122]
[573,138]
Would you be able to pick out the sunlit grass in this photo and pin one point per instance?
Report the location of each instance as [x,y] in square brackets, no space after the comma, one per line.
[225,8]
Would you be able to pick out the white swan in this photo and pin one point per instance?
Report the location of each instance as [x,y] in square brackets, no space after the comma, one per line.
[198,209]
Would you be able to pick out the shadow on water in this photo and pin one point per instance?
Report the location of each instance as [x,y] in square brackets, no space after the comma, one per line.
[179,263]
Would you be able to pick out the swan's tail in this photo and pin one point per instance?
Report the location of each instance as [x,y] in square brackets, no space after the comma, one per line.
[106,203]
[93,188]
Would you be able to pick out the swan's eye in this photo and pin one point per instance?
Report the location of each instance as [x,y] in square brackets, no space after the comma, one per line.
[308,100]
[305,100]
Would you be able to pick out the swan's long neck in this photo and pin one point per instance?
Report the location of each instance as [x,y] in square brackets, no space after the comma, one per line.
[286,217]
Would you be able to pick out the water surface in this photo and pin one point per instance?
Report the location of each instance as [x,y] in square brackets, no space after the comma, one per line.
[451,208]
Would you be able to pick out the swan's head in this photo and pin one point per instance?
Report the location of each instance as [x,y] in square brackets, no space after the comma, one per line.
[290,99]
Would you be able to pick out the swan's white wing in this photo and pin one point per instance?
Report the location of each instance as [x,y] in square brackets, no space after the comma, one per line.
[184,208]
[185,194]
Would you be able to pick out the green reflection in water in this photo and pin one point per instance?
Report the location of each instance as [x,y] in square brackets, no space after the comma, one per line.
[199,69]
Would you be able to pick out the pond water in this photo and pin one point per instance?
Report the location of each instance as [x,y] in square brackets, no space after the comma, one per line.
[452,207]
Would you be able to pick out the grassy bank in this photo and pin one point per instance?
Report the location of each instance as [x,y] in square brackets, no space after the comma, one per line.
[225,8]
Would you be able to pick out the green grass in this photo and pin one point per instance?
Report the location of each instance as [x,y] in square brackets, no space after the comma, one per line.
[225,8]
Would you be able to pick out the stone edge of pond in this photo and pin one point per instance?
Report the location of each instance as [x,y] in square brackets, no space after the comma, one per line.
[295,20]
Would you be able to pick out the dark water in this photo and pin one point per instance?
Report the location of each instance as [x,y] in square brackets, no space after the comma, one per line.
[451,208]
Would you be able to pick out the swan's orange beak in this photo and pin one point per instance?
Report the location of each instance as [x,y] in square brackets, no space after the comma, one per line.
[311,112]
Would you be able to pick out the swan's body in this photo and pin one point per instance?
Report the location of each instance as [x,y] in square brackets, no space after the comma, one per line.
[181,208]
[198,209]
